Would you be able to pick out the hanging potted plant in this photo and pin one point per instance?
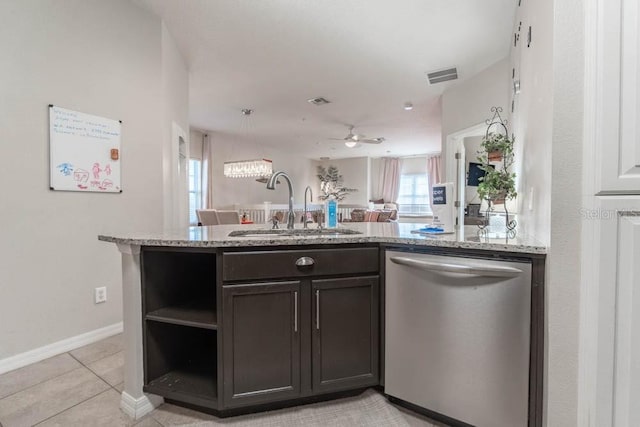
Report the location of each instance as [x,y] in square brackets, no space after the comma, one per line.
[497,185]
[497,146]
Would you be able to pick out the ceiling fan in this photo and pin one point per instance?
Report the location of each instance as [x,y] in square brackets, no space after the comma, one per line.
[352,139]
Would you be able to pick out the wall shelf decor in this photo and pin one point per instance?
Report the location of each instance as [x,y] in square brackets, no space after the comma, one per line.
[498,184]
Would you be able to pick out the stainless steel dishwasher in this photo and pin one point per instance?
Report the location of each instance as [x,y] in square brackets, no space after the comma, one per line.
[457,337]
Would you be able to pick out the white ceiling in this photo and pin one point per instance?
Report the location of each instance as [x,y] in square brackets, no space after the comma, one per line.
[368,57]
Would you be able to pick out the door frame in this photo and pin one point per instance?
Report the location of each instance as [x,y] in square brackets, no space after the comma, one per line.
[455,144]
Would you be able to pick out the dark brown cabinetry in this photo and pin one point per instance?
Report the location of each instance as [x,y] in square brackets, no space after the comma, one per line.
[345,333]
[261,342]
[180,325]
[302,330]
[232,329]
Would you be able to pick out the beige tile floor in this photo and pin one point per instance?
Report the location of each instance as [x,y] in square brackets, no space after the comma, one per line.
[82,388]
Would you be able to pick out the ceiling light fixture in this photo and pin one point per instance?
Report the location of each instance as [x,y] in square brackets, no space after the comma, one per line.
[255,168]
[350,144]
[248,168]
[319,101]
[408,106]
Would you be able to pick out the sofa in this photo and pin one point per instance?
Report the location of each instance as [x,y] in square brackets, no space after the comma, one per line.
[386,212]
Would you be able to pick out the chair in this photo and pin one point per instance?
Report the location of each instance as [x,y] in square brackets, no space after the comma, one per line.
[207,217]
[228,217]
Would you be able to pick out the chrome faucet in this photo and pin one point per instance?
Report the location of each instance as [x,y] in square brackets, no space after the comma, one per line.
[304,219]
[271,185]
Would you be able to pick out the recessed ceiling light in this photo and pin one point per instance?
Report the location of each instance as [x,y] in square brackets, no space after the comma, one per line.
[318,101]
[350,144]
[408,106]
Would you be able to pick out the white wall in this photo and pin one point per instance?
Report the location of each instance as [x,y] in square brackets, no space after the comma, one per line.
[469,102]
[563,291]
[97,57]
[532,120]
[175,94]
[230,191]
[356,172]
[195,144]
[414,165]
[548,122]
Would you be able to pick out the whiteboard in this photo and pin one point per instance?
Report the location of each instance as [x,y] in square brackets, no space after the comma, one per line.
[84,152]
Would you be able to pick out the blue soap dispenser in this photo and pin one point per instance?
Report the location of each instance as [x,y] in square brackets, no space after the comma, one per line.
[331,213]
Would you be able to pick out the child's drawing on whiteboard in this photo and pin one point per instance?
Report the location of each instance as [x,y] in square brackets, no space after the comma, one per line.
[65,168]
[107,183]
[95,183]
[82,187]
[107,169]
[80,175]
[96,170]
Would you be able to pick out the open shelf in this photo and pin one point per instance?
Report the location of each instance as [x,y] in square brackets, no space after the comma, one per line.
[199,314]
[195,383]
[181,360]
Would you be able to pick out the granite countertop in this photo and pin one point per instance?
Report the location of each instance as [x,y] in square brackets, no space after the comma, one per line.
[371,232]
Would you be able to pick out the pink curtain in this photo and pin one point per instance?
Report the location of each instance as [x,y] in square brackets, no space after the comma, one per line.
[389,186]
[434,171]
[207,173]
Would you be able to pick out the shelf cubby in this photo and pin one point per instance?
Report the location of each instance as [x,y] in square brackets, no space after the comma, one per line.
[181,363]
[179,287]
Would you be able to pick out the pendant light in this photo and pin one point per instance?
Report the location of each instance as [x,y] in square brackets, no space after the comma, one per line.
[255,168]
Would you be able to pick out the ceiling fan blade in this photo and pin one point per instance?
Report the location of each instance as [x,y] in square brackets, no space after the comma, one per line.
[337,139]
[372,140]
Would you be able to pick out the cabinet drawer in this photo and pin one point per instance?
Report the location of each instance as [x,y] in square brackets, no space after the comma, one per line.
[281,264]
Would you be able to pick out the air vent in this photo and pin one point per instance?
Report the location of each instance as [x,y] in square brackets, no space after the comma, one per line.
[442,75]
[318,101]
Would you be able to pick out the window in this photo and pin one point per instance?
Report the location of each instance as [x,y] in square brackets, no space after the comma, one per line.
[195,189]
[414,195]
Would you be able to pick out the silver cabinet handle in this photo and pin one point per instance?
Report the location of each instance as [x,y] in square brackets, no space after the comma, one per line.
[295,312]
[304,261]
[317,309]
[494,271]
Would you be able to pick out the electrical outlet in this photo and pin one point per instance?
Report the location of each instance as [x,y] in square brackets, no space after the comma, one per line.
[101,295]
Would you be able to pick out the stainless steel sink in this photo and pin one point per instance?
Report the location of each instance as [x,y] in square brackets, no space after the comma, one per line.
[295,232]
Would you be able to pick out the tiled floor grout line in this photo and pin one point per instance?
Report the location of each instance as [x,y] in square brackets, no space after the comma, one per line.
[89,398]
[94,361]
[44,381]
[70,407]
[113,387]
[81,402]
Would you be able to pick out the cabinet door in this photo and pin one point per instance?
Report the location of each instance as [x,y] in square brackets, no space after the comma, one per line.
[261,342]
[613,94]
[345,333]
[618,312]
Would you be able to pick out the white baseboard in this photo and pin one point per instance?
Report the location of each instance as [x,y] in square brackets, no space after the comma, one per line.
[138,408]
[50,350]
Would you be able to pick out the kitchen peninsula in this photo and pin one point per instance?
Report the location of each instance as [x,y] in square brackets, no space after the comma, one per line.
[247,323]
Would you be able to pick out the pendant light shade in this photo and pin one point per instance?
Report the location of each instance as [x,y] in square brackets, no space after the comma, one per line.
[248,168]
[257,168]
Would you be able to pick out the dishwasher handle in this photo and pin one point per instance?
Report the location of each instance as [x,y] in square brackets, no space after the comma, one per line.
[493,271]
